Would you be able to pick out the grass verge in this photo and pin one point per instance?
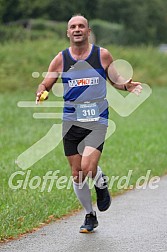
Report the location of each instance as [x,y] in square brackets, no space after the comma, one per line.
[138,144]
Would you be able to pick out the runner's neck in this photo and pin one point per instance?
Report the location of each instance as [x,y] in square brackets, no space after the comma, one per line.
[80,52]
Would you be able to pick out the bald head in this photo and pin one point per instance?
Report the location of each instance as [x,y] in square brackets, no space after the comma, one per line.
[78,18]
[78,30]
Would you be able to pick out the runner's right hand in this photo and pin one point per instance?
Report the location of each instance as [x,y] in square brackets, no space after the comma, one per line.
[41,96]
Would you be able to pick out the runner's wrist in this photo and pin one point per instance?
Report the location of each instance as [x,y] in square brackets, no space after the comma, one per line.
[41,88]
[125,87]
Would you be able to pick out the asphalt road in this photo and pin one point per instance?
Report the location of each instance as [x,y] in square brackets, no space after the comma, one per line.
[135,222]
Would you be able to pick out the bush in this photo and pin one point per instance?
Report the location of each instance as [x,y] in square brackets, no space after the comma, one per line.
[106,32]
[32,29]
[57,27]
[12,33]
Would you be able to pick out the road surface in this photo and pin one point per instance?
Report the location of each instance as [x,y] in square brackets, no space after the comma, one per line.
[135,222]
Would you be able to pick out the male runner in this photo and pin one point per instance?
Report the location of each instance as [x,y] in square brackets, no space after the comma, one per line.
[85,68]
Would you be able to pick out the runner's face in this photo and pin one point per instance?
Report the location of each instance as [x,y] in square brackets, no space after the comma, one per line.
[78,30]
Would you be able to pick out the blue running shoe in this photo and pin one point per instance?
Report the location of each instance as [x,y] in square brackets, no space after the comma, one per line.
[103,197]
[89,224]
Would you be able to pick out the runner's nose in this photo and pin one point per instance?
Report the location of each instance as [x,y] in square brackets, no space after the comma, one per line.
[77,28]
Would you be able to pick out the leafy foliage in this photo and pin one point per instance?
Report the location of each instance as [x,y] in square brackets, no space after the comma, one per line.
[106,32]
[144,22]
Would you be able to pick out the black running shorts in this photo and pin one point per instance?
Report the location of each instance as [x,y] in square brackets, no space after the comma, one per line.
[78,135]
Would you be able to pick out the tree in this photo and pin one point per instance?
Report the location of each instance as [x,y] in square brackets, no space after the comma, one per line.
[13,10]
[143,21]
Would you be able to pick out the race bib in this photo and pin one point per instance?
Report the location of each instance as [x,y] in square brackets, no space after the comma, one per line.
[87,112]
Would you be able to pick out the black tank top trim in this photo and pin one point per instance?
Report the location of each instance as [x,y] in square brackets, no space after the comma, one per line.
[68,60]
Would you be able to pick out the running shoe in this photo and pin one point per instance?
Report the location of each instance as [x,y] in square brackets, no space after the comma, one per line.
[103,197]
[89,224]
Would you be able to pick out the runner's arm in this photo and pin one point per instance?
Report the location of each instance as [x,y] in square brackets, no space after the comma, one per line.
[115,78]
[54,70]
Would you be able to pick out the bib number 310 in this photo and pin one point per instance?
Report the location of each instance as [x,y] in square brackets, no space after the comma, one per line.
[87,112]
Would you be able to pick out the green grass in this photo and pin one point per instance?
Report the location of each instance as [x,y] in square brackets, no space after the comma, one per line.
[19,61]
[139,142]
[149,65]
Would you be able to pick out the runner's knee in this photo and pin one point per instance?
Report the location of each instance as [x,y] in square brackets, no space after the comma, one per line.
[77,174]
[89,169]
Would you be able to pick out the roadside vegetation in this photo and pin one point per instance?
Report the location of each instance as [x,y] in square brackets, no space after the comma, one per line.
[138,144]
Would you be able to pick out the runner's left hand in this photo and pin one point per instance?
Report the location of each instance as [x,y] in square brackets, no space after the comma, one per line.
[134,87]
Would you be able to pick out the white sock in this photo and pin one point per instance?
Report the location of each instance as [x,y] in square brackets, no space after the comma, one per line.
[98,179]
[83,193]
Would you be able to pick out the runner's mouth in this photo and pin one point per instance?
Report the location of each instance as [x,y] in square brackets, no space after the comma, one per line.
[77,35]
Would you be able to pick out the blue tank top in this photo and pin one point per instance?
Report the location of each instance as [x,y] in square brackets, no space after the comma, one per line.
[84,82]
